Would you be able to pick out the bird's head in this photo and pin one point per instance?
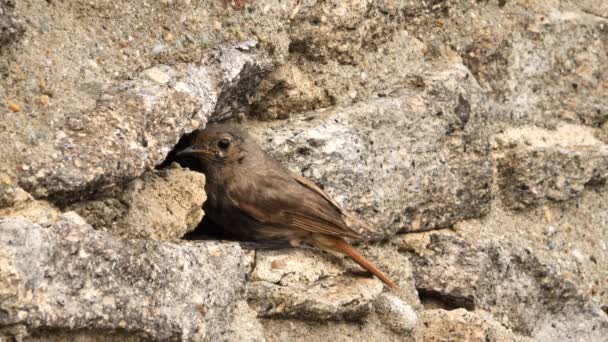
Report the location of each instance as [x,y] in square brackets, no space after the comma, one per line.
[218,143]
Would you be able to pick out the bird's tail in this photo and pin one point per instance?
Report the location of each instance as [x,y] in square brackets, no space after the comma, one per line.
[337,244]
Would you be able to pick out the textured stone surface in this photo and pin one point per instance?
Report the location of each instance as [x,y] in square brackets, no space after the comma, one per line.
[396,314]
[398,161]
[284,91]
[509,281]
[10,28]
[69,276]
[461,325]
[536,164]
[307,285]
[392,105]
[161,205]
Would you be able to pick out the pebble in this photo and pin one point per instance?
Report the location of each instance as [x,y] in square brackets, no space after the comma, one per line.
[44,100]
[13,107]
[157,75]
[396,314]
[158,48]
[578,255]
[169,37]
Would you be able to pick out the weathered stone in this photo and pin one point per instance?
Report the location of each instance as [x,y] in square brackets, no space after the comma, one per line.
[535,165]
[284,91]
[305,284]
[396,314]
[461,325]
[509,281]
[341,298]
[409,161]
[10,27]
[70,277]
[160,205]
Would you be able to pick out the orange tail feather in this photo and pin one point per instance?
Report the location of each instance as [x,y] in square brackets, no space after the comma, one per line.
[343,247]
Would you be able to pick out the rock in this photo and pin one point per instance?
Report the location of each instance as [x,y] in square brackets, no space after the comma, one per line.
[343,298]
[127,130]
[396,314]
[461,325]
[160,205]
[371,329]
[11,29]
[509,281]
[293,267]
[338,31]
[535,165]
[284,91]
[69,277]
[306,285]
[16,203]
[397,161]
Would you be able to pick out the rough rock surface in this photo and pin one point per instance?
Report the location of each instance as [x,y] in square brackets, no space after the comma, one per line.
[471,135]
[284,91]
[398,161]
[492,276]
[69,276]
[10,28]
[535,164]
[307,285]
[160,205]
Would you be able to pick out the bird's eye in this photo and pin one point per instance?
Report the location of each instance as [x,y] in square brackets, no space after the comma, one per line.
[223,144]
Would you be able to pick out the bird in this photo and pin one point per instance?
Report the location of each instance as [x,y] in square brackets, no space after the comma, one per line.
[253,196]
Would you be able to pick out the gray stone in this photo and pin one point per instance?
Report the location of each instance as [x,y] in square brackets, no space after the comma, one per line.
[11,28]
[70,277]
[462,325]
[409,161]
[160,205]
[535,165]
[305,284]
[509,281]
[121,129]
[396,314]
[284,91]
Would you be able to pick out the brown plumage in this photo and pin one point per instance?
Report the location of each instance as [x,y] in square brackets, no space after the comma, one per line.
[250,194]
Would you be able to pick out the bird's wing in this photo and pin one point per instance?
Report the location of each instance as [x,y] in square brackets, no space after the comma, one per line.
[291,201]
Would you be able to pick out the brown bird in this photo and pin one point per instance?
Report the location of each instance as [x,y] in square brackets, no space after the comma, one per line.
[252,195]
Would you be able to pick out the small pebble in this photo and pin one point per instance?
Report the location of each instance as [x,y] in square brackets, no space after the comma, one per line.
[551,245]
[195,123]
[44,100]
[158,48]
[42,84]
[169,37]
[25,167]
[217,25]
[13,107]
[551,230]
[578,255]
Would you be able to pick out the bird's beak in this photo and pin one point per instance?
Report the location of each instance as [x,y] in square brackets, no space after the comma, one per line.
[189,151]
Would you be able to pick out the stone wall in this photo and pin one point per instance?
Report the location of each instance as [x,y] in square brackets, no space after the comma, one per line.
[471,135]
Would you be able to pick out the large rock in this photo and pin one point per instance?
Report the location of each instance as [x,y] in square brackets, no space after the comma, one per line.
[69,277]
[509,281]
[160,205]
[307,285]
[461,325]
[414,160]
[535,165]
[128,129]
